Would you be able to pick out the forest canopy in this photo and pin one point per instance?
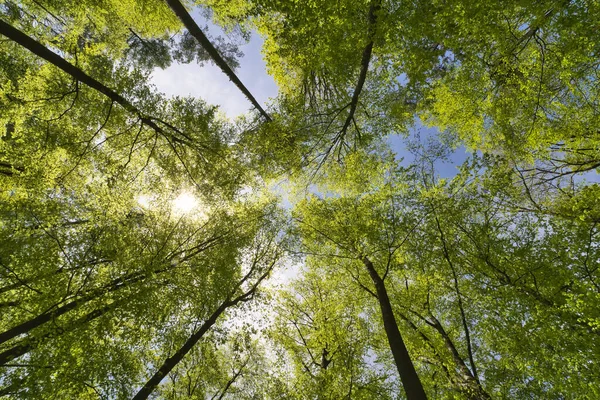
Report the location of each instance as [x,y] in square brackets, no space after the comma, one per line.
[151,247]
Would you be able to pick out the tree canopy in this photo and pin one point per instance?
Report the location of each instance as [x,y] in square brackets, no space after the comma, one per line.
[147,249]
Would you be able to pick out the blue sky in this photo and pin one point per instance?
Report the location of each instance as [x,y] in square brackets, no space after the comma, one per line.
[446,168]
[210,84]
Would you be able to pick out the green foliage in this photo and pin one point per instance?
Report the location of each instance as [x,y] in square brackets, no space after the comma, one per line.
[125,226]
[322,338]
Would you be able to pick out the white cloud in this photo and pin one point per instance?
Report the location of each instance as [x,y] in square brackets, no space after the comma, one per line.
[207,83]
[212,85]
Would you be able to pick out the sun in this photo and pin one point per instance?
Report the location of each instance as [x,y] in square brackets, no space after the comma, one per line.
[184,203]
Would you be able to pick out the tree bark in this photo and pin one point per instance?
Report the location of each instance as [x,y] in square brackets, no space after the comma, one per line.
[79,75]
[48,316]
[113,286]
[231,381]
[365,61]
[172,361]
[408,375]
[28,345]
[195,31]
[466,383]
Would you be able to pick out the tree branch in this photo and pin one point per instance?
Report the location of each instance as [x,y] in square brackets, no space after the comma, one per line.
[197,33]
[366,59]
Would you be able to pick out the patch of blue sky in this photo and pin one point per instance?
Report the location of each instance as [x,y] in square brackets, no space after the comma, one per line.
[446,166]
[209,83]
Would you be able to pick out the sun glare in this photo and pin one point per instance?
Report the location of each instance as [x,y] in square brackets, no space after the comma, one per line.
[144,201]
[185,203]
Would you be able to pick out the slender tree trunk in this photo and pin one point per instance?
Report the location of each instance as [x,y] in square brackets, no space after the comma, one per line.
[48,316]
[12,388]
[172,361]
[113,286]
[408,374]
[12,286]
[470,385]
[79,75]
[463,381]
[30,344]
[364,65]
[195,30]
[429,343]
[28,281]
[230,382]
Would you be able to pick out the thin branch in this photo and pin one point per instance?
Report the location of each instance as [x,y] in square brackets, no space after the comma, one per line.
[366,59]
[459,296]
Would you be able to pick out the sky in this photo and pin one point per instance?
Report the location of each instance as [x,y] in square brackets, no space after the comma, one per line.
[209,83]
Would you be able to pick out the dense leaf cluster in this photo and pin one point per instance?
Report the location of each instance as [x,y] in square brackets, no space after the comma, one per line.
[144,252]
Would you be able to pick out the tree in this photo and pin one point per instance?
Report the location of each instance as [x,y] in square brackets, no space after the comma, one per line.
[504,79]
[323,343]
[262,261]
[137,232]
[219,368]
[347,227]
[434,279]
[477,248]
[99,271]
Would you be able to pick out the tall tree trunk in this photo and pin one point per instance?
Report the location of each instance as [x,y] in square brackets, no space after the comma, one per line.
[79,75]
[48,316]
[408,374]
[172,361]
[364,66]
[230,382]
[113,286]
[195,30]
[463,380]
[30,344]
[466,382]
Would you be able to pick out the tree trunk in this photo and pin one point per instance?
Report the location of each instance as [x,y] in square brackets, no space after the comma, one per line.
[231,381]
[364,66]
[408,374]
[114,285]
[466,381]
[79,75]
[172,361]
[195,31]
[30,344]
